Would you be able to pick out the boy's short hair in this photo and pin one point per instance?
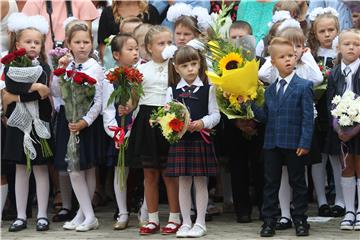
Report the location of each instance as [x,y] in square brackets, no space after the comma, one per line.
[129,20]
[279,41]
[240,24]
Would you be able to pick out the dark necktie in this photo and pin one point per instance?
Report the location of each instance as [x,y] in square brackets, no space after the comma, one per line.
[76,66]
[188,92]
[346,72]
[281,91]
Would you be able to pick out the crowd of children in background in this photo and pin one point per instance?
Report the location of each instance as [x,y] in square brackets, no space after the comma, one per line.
[294,150]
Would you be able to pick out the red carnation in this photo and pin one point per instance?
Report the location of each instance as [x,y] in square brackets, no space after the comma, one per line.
[20,52]
[90,80]
[8,58]
[176,125]
[59,71]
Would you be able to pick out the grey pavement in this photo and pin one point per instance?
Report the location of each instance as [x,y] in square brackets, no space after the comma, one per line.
[222,227]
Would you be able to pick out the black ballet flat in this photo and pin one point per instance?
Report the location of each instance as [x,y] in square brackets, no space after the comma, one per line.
[42,226]
[15,227]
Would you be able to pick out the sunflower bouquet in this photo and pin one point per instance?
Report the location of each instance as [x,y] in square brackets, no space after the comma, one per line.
[173,119]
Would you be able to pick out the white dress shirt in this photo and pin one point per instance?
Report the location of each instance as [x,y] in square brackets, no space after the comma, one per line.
[287,79]
[307,69]
[213,117]
[109,110]
[354,66]
[155,83]
[94,70]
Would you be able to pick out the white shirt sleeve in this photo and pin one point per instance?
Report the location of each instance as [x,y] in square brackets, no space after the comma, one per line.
[311,69]
[169,95]
[95,109]
[268,73]
[213,118]
[109,111]
[260,48]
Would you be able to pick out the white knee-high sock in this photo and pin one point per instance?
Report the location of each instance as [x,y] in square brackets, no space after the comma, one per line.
[90,178]
[336,167]
[202,198]
[285,194]
[318,175]
[348,187]
[358,193]
[21,190]
[227,186]
[144,214]
[120,194]
[185,198]
[41,174]
[78,181]
[4,192]
[65,190]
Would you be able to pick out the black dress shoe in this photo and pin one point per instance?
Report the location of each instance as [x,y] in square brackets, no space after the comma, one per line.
[302,229]
[17,227]
[243,218]
[267,230]
[324,211]
[42,226]
[63,217]
[337,211]
[283,225]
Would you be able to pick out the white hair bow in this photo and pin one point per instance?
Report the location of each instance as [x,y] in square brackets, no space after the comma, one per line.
[19,21]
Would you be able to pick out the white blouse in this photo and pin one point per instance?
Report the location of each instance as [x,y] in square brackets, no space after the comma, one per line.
[155,83]
[109,111]
[306,69]
[213,118]
[94,70]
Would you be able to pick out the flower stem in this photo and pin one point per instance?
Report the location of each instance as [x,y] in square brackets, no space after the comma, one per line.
[121,159]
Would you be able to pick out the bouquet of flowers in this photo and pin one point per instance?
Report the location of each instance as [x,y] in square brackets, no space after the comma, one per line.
[235,73]
[173,119]
[56,54]
[24,72]
[77,91]
[127,84]
[320,90]
[346,113]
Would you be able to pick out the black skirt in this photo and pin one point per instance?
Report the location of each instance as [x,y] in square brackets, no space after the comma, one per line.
[4,165]
[92,143]
[314,155]
[332,143]
[354,145]
[13,150]
[147,147]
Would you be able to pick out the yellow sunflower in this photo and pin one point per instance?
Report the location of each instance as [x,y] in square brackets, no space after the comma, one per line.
[230,61]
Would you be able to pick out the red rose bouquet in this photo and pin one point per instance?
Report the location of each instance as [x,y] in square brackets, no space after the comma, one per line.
[77,91]
[127,84]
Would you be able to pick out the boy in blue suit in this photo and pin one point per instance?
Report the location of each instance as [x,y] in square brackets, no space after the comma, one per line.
[289,117]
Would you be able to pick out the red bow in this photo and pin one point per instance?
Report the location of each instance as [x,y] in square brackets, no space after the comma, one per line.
[119,134]
[205,134]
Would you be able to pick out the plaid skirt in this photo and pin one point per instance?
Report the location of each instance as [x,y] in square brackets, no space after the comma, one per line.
[191,158]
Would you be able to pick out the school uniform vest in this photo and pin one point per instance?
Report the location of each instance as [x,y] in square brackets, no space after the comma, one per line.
[197,104]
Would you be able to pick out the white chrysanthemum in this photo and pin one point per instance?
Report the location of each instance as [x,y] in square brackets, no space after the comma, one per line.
[196,44]
[348,95]
[279,16]
[169,52]
[177,10]
[352,111]
[289,23]
[345,121]
[336,99]
[202,16]
[357,119]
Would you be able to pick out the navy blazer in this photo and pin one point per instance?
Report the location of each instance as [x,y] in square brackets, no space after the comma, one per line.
[289,123]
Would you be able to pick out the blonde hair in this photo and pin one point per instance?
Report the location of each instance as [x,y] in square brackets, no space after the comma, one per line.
[15,37]
[129,20]
[293,34]
[76,27]
[149,37]
[312,40]
[279,41]
[289,5]
[341,38]
[141,30]
[143,6]
[183,55]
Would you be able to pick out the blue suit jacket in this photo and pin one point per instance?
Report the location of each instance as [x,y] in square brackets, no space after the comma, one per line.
[290,122]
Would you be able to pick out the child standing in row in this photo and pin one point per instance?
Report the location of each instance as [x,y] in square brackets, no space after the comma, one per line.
[126,53]
[83,181]
[322,41]
[147,148]
[32,39]
[346,77]
[192,158]
[289,126]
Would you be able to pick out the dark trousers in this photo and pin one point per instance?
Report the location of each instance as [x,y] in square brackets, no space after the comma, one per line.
[273,162]
[245,164]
